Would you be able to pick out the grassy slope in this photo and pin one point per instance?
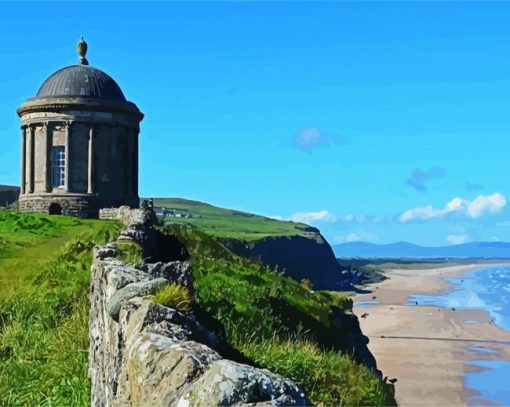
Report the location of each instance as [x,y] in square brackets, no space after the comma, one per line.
[28,241]
[44,284]
[278,324]
[221,222]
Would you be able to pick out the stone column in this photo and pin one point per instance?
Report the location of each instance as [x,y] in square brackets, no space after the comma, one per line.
[128,163]
[134,165]
[47,159]
[23,158]
[31,156]
[90,172]
[67,183]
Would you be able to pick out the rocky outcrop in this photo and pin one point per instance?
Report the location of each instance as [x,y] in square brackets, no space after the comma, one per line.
[298,256]
[147,354]
[347,324]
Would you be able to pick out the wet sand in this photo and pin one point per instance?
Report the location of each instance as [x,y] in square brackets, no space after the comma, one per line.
[425,347]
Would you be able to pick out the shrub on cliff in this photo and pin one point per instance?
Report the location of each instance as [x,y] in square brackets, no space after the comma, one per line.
[174,296]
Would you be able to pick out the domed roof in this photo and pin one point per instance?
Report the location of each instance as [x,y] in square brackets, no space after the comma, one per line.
[80,87]
[81,81]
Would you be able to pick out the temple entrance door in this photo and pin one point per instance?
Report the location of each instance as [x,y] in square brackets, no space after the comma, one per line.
[55,209]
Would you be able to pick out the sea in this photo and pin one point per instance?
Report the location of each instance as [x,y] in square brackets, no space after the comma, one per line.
[486,288]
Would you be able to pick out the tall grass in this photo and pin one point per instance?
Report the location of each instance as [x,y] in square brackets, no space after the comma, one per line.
[44,328]
[328,377]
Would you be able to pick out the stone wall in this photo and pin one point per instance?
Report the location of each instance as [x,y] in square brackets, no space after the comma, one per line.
[146,354]
[108,213]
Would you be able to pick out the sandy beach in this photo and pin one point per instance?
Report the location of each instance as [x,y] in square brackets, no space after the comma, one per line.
[426,347]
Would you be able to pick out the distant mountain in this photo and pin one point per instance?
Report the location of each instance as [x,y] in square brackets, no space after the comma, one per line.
[397,250]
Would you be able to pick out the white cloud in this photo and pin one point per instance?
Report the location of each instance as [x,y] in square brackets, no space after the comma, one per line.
[325,216]
[311,217]
[457,239]
[360,235]
[486,204]
[352,237]
[309,138]
[480,206]
[312,137]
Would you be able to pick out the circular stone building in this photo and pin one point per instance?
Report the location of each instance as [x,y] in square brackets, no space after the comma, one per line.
[79,149]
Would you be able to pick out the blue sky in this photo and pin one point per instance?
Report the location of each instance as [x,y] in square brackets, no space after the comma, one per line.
[344,115]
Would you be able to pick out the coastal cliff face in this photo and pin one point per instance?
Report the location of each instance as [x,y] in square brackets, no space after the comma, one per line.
[297,256]
[143,353]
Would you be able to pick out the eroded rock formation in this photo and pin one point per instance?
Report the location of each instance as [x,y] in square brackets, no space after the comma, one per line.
[147,354]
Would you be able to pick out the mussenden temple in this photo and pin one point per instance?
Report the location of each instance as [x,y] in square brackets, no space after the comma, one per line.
[79,149]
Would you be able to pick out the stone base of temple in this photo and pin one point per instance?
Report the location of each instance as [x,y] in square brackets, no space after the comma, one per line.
[79,205]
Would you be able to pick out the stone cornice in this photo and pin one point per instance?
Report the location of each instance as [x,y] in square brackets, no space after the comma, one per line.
[78,104]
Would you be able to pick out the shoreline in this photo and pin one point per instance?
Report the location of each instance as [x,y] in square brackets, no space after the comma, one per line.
[428,348]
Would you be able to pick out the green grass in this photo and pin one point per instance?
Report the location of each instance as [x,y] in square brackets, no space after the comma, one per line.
[263,317]
[44,320]
[328,377]
[232,224]
[174,296]
[130,252]
[29,240]
[278,324]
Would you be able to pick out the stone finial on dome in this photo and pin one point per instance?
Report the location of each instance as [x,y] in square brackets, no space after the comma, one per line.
[82,51]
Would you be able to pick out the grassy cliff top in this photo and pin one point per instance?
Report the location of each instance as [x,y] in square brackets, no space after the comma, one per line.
[228,223]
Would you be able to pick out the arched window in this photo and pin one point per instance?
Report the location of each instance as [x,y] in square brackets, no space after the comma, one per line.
[58,166]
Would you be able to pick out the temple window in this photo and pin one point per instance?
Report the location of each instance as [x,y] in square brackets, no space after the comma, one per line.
[58,166]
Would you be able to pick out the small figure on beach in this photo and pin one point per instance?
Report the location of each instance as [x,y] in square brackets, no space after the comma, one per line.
[364,315]
[374,297]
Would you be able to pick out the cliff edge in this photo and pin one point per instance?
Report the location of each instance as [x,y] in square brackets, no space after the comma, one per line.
[296,249]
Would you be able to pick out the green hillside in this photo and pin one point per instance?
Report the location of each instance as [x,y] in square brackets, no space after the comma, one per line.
[274,322]
[229,223]
[263,317]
